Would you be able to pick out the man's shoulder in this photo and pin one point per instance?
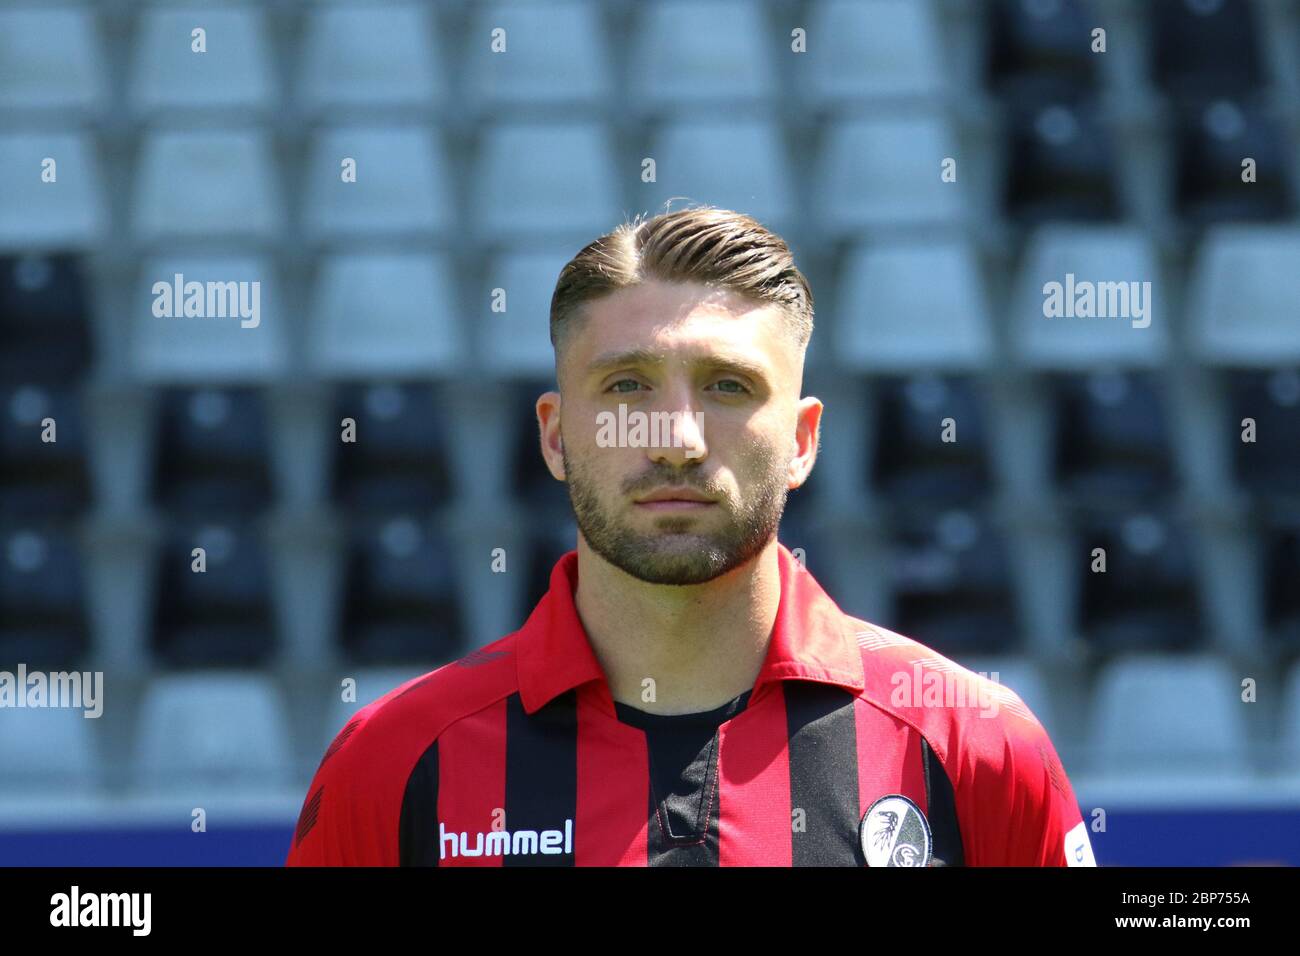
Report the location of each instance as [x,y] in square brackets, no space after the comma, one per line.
[398,727]
[959,711]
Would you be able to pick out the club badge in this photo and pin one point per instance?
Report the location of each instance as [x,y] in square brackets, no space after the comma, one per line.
[894,832]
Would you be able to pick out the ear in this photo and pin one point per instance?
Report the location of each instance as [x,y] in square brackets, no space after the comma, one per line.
[807,440]
[552,441]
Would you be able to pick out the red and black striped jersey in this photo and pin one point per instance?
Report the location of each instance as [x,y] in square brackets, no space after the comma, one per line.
[856,746]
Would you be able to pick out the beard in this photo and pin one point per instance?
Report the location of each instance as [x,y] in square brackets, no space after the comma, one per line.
[680,550]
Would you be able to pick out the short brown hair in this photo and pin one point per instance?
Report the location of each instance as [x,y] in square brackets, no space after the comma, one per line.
[700,244]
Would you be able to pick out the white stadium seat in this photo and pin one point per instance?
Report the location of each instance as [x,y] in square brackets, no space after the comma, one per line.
[50,59]
[212,730]
[377,315]
[234,73]
[369,56]
[207,183]
[909,306]
[66,212]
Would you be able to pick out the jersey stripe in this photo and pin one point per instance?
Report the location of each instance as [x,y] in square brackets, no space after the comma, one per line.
[611,827]
[417,839]
[541,772]
[472,781]
[823,774]
[754,785]
[941,810]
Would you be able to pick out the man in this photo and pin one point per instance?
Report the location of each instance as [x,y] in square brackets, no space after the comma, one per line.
[686,693]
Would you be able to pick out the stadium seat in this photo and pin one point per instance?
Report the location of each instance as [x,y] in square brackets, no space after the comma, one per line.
[1289,733]
[876,173]
[233,74]
[1156,715]
[1148,598]
[410,305]
[950,580]
[213,451]
[207,183]
[53,61]
[46,479]
[911,461]
[1281,570]
[403,604]
[43,614]
[63,213]
[880,51]
[730,163]
[1035,47]
[400,458]
[1269,467]
[1112,438]
[1212,138]
[517,342]
[556,55]
[371,684]
[537,179]
[222,730]
[553,534]
[1109,260]
[44,319]
[369,56]
[1242,297]
[402,189]
[533,482]
[713,53]
[51,750]
[1022,675]
[224,616]
[225,349]
[1203,47]
[1063,164]
[909,306]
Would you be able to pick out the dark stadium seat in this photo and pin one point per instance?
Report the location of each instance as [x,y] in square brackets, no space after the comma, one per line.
[43,614]
[1204,46]
[399,459]
[40,478]
[552,535]
[1062,164]
[1148,597]
[951,584]
[404,600]
[1035,45]
[1111,436]
[213,451]
[1269,466]
[1212,139]
[44,319]
[224,616]
[1280,577]
[911,461]
[533,482]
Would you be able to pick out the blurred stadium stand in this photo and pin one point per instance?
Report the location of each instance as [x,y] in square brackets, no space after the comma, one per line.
[330,560]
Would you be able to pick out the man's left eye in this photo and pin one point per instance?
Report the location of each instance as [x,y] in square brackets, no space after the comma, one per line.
[740,386]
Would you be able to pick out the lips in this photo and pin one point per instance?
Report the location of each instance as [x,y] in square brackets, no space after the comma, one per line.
[683,495]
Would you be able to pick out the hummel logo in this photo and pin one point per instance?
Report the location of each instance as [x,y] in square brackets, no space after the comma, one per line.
[504,842]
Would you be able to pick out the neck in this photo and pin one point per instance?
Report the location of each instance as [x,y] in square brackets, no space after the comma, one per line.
[701,644]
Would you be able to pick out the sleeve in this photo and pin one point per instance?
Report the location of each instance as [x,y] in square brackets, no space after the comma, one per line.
[1015,806]
[348,817]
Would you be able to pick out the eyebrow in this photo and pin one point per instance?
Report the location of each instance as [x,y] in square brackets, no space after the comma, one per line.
[611,361]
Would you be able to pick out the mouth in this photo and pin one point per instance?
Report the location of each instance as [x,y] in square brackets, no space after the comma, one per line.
[673,499]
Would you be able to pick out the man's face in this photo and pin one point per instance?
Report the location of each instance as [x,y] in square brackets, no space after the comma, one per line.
[728,372]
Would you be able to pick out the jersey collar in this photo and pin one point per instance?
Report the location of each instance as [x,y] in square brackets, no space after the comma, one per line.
[811,639]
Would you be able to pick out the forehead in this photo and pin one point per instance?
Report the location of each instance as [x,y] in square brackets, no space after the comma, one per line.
[668,314]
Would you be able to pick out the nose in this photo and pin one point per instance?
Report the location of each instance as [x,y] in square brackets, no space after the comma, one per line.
[679,439]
